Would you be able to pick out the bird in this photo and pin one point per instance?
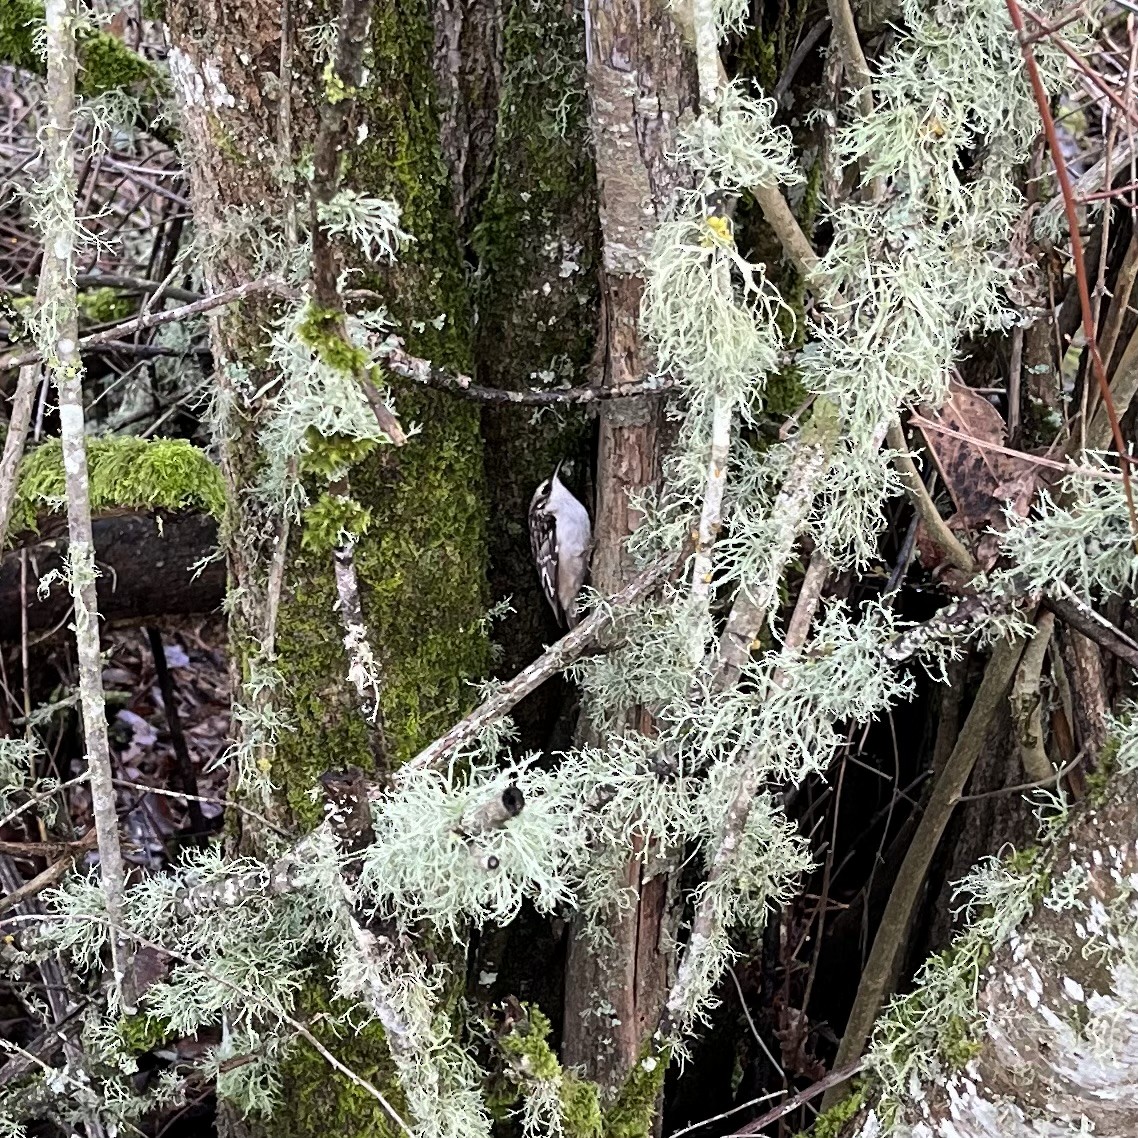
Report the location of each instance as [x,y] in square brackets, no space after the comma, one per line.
[562,539]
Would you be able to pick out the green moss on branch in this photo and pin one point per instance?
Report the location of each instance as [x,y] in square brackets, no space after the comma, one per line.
[633,1112]
[105,63]
[126,473]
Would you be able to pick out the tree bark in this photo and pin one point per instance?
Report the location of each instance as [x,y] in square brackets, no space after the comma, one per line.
[421,564]
[640,81]
[1056,1014]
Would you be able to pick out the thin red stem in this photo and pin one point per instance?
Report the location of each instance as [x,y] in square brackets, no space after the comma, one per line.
[1065,186]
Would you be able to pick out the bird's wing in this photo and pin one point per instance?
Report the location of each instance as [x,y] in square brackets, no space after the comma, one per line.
[543,540]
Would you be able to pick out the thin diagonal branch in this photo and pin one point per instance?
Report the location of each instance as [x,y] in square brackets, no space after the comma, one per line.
[157,319]
[935,525]
[554,659]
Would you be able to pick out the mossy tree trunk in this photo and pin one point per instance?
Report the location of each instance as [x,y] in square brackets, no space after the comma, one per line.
[419,136]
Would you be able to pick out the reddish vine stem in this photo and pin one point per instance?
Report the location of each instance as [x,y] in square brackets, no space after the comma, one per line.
[1067,190]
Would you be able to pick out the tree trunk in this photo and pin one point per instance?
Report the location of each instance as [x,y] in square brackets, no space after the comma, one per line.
[421,564]
[1052,1042]
[640,82]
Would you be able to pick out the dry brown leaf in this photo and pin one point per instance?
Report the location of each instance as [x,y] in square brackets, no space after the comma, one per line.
[981,481]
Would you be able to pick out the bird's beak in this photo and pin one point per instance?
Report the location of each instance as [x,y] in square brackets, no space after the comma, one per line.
[560,463]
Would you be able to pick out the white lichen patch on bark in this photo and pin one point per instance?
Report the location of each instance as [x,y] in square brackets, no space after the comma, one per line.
[200,86]
[1055,1024]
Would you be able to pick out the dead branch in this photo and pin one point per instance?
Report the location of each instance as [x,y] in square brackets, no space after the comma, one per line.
[555,659]
[63,364]
[879,976]
[157,319]
[423,372]
[935,525]
[54,872]
[1043,103]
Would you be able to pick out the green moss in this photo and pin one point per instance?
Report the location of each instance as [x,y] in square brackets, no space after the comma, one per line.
[580,1107]
[330,519]
[528,1045]
[632,1113]
[812,195]
[958,1044]
[142,1033]
[317,1101]
[105,63]
[785,392]
[332,456]
[1099,780]
[758,57]
[125,473]
[831,1123]
[421,564]
[102,305]
[321,330]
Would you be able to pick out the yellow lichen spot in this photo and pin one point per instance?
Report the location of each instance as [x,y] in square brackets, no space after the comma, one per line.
[720,230]
[933,127]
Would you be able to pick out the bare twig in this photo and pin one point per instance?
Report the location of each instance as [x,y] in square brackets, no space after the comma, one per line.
[1076,613]
[1123,287]
[423,372]
[806,606]
[935,525]
[1044,106]
[137,284]
[1037,460]
[157,319]
[20,419]
[1049,780]
[60,316]
[798,58]
[834,1079]
[1026,701]
[795,244]
[1122,390]
[228,803]
[552,660]
[51,875]
[791,508]
[853,58]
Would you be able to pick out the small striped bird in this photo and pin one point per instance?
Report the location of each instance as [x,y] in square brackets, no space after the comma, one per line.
[562,538]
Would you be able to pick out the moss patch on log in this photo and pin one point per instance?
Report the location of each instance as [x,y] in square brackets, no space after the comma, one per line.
[125,473]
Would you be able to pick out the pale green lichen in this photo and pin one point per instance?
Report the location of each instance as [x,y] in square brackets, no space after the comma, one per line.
[125,473]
